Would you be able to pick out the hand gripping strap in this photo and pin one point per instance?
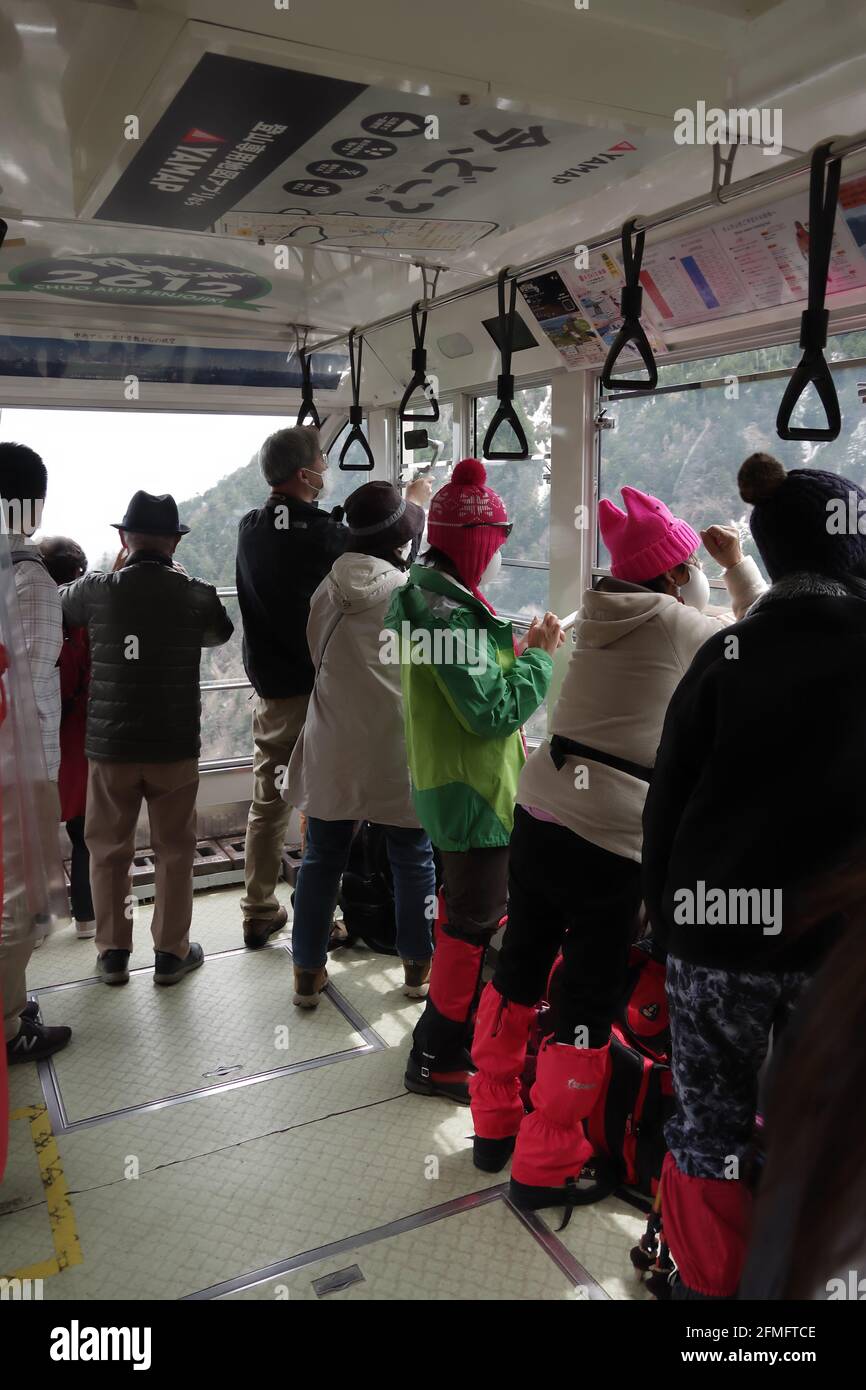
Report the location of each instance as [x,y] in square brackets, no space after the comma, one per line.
[506,414]
[631,331]
[419,369]
[356,414]
[823,195]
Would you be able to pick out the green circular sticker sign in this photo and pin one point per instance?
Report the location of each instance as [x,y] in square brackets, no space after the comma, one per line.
[141,279]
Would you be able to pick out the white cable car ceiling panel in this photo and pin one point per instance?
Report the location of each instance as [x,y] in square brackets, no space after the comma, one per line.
[469,137]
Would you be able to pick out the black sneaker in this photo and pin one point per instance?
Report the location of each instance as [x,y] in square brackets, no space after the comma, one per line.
[112,967]
[34,1042]
[169,969]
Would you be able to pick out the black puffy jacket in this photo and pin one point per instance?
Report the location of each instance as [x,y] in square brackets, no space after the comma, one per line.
[147,624]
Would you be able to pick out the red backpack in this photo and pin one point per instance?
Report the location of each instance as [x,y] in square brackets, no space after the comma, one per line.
[626,1127]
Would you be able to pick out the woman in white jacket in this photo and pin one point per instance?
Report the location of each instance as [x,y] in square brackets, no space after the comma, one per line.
[574,869]
[349,763]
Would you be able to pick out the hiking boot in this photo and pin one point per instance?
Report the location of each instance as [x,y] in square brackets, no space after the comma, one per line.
[422,1081]
[338,935]
[34,1042]
[416,978]
[85,931]
[112,967]
[168,969]
[308,986]
[491,1155]
[259,930]
[596,1180]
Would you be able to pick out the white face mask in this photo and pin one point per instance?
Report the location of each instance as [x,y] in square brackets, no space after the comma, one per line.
[494,565]
[404,551]
[314,480]
[696,593]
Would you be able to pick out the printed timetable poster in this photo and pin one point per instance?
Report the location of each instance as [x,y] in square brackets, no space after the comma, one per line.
[579,312]
[770,249]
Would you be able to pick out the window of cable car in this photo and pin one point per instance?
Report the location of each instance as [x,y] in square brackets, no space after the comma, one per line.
[96,460]
[686,445]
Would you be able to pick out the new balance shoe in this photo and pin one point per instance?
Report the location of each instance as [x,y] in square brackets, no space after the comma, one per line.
[34,1042]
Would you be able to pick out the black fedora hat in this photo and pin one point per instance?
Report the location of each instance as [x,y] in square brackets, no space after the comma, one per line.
[152,516]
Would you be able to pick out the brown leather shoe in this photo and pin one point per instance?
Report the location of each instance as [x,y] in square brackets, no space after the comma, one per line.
[338,936]
[416,978]
[258,930]
[308,986]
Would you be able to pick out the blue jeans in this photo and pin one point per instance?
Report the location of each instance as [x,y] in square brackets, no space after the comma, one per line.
[326,854]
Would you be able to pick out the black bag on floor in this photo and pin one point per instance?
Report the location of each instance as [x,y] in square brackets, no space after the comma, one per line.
[367,892]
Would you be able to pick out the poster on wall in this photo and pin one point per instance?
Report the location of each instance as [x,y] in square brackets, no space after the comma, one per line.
[691,280]
[579,311]
[330,158]
[770,249]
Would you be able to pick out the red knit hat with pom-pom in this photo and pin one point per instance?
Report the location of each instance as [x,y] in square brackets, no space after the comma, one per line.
[468,521]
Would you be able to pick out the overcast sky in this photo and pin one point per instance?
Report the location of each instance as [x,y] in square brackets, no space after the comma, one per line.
[96,460]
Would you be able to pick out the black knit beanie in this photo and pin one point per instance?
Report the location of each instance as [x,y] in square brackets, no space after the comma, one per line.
[804,520]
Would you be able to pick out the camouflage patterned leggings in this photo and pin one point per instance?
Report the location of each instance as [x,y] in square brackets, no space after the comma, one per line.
[721,1021]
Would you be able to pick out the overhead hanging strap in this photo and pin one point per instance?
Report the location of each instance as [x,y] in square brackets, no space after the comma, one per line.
[308,408]
[823,194]
[356,414]
[506,414]
[631,303]
[419,369]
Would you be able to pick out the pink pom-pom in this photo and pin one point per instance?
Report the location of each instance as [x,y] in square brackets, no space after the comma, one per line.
[470,473]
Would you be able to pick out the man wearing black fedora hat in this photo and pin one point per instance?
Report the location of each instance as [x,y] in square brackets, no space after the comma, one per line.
[147,624]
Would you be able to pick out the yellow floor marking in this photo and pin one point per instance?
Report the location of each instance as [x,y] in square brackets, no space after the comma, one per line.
[61,1217]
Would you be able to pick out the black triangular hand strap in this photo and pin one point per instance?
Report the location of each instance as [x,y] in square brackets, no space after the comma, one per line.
[356,414]
[631,303]
[419,369]
[308,408]
[506,414]
[823,195]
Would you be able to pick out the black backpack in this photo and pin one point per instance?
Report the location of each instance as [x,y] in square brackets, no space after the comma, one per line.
[367,892]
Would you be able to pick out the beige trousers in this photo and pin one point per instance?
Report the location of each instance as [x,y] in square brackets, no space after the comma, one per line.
[115,792]
[276,725]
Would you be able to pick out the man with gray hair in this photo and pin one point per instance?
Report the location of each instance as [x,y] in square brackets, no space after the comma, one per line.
[285,549]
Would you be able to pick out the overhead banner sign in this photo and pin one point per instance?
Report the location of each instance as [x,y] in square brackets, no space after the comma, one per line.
[230,125]
[324,161]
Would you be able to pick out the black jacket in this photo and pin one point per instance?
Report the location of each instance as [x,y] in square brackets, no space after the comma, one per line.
[283,556]
[147,624]
[759,781]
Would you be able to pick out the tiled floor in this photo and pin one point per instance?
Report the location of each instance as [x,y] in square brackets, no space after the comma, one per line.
[217,1142]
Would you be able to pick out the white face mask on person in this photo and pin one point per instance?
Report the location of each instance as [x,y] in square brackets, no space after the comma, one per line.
[696,592]
[404,551]
[313,479]
[494,565]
